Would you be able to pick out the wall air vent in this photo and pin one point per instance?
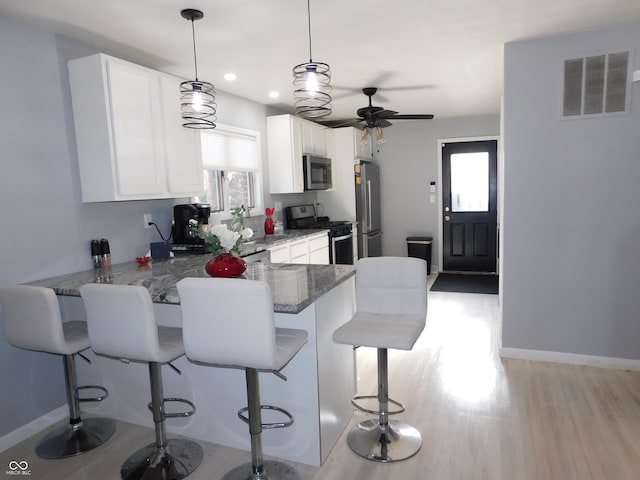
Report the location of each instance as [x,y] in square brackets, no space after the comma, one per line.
[595,85]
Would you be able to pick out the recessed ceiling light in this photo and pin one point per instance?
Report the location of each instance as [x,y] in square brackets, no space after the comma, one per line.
[230,77]
[274,94]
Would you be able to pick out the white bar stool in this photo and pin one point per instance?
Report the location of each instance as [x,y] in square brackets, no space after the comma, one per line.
[229,322]
[391,312]
[32,321]
[122,324]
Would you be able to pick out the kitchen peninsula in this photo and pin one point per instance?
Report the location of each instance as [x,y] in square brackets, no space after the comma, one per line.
[320,379]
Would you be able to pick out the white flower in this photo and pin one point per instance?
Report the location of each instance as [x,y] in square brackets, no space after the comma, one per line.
[221,238]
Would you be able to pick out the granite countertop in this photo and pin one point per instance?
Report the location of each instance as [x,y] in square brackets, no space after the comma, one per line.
[294,287]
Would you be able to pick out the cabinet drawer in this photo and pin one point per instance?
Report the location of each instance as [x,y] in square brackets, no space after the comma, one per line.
[279,254]
[298,249]
[316,243]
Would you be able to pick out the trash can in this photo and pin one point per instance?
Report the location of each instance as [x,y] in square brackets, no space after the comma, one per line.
[420,247]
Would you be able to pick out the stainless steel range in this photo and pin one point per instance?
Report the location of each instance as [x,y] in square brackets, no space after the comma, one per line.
[340,232]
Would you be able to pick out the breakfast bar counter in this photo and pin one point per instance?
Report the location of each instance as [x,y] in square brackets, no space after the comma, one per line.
[320,380]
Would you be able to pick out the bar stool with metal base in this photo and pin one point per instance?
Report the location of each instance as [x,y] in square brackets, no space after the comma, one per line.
[32,321]
[229,322]
[122,324]
[391,311]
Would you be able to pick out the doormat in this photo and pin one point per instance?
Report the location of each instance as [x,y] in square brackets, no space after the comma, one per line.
[465,283]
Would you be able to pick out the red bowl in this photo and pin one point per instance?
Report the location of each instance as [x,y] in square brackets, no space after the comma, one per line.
[143,260]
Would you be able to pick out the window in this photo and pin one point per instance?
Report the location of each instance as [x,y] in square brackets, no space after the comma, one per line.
[232,169]
[470,182]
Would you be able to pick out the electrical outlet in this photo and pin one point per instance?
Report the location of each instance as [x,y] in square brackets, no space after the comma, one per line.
[147,220]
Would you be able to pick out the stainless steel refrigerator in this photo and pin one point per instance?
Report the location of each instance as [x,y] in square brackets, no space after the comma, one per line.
[367,180]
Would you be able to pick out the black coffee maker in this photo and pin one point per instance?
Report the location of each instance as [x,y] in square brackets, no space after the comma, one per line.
[184,232]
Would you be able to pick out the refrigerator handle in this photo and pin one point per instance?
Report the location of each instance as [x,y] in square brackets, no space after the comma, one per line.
[369,204]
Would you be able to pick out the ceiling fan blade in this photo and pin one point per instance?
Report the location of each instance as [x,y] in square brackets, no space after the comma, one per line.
[385,114]
[348,122]
[424,116]
[382,123]
[368,111]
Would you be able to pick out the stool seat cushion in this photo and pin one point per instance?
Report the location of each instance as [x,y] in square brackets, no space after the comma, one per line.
[288,342]
[229,321]
[32,321]
[122,324]
[381,331]
[391,303]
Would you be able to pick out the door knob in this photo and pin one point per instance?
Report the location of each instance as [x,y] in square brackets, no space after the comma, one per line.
[447,218]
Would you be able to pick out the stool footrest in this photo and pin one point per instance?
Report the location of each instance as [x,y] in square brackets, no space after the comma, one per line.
[176,414]
[99,398]
[354,402]
[242,414]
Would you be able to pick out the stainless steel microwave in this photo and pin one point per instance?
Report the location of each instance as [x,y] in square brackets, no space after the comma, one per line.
[317,172]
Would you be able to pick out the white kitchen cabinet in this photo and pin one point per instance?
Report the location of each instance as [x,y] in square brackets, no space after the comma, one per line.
[284,147]
[299,251]
[130,143]
[279,254]
[313,140]
[319,249]
[183,152]
[312,249]
[288,137]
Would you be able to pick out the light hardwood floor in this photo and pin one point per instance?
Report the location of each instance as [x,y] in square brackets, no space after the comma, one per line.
[480,417]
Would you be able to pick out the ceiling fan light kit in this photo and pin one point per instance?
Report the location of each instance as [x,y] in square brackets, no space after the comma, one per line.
[312,82]
[197,98]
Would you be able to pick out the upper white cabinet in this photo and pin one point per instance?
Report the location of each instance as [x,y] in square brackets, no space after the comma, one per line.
[284,147]
[313,140]
[288,137]
[183,152]
[130,141]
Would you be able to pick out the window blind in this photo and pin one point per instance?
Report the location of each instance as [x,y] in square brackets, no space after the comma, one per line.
[228,148]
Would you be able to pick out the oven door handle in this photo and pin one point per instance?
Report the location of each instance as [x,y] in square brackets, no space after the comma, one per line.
[344,237]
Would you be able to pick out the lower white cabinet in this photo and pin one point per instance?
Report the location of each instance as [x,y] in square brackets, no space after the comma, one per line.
[313,249]
[319,249]
[279,254]
[130,141]
[299,251]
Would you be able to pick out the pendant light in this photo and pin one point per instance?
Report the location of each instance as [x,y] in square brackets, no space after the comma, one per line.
[198,106]
[312,82]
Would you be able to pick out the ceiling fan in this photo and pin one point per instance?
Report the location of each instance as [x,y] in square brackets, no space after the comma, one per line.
[373,117]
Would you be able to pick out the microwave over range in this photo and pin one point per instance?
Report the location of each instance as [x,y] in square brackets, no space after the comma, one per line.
[317,172]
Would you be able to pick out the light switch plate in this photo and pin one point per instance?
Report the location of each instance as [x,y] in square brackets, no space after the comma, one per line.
[636,76]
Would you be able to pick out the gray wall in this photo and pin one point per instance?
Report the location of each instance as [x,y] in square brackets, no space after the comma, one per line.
[408,163]
[571,223]
[46,228]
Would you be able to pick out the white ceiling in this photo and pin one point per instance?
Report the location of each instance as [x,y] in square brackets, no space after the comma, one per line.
[425,56]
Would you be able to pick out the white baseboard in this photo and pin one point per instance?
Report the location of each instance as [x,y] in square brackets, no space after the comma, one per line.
[22,433]
[570,358]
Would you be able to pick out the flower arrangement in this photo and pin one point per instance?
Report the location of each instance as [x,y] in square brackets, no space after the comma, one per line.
[220,239]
